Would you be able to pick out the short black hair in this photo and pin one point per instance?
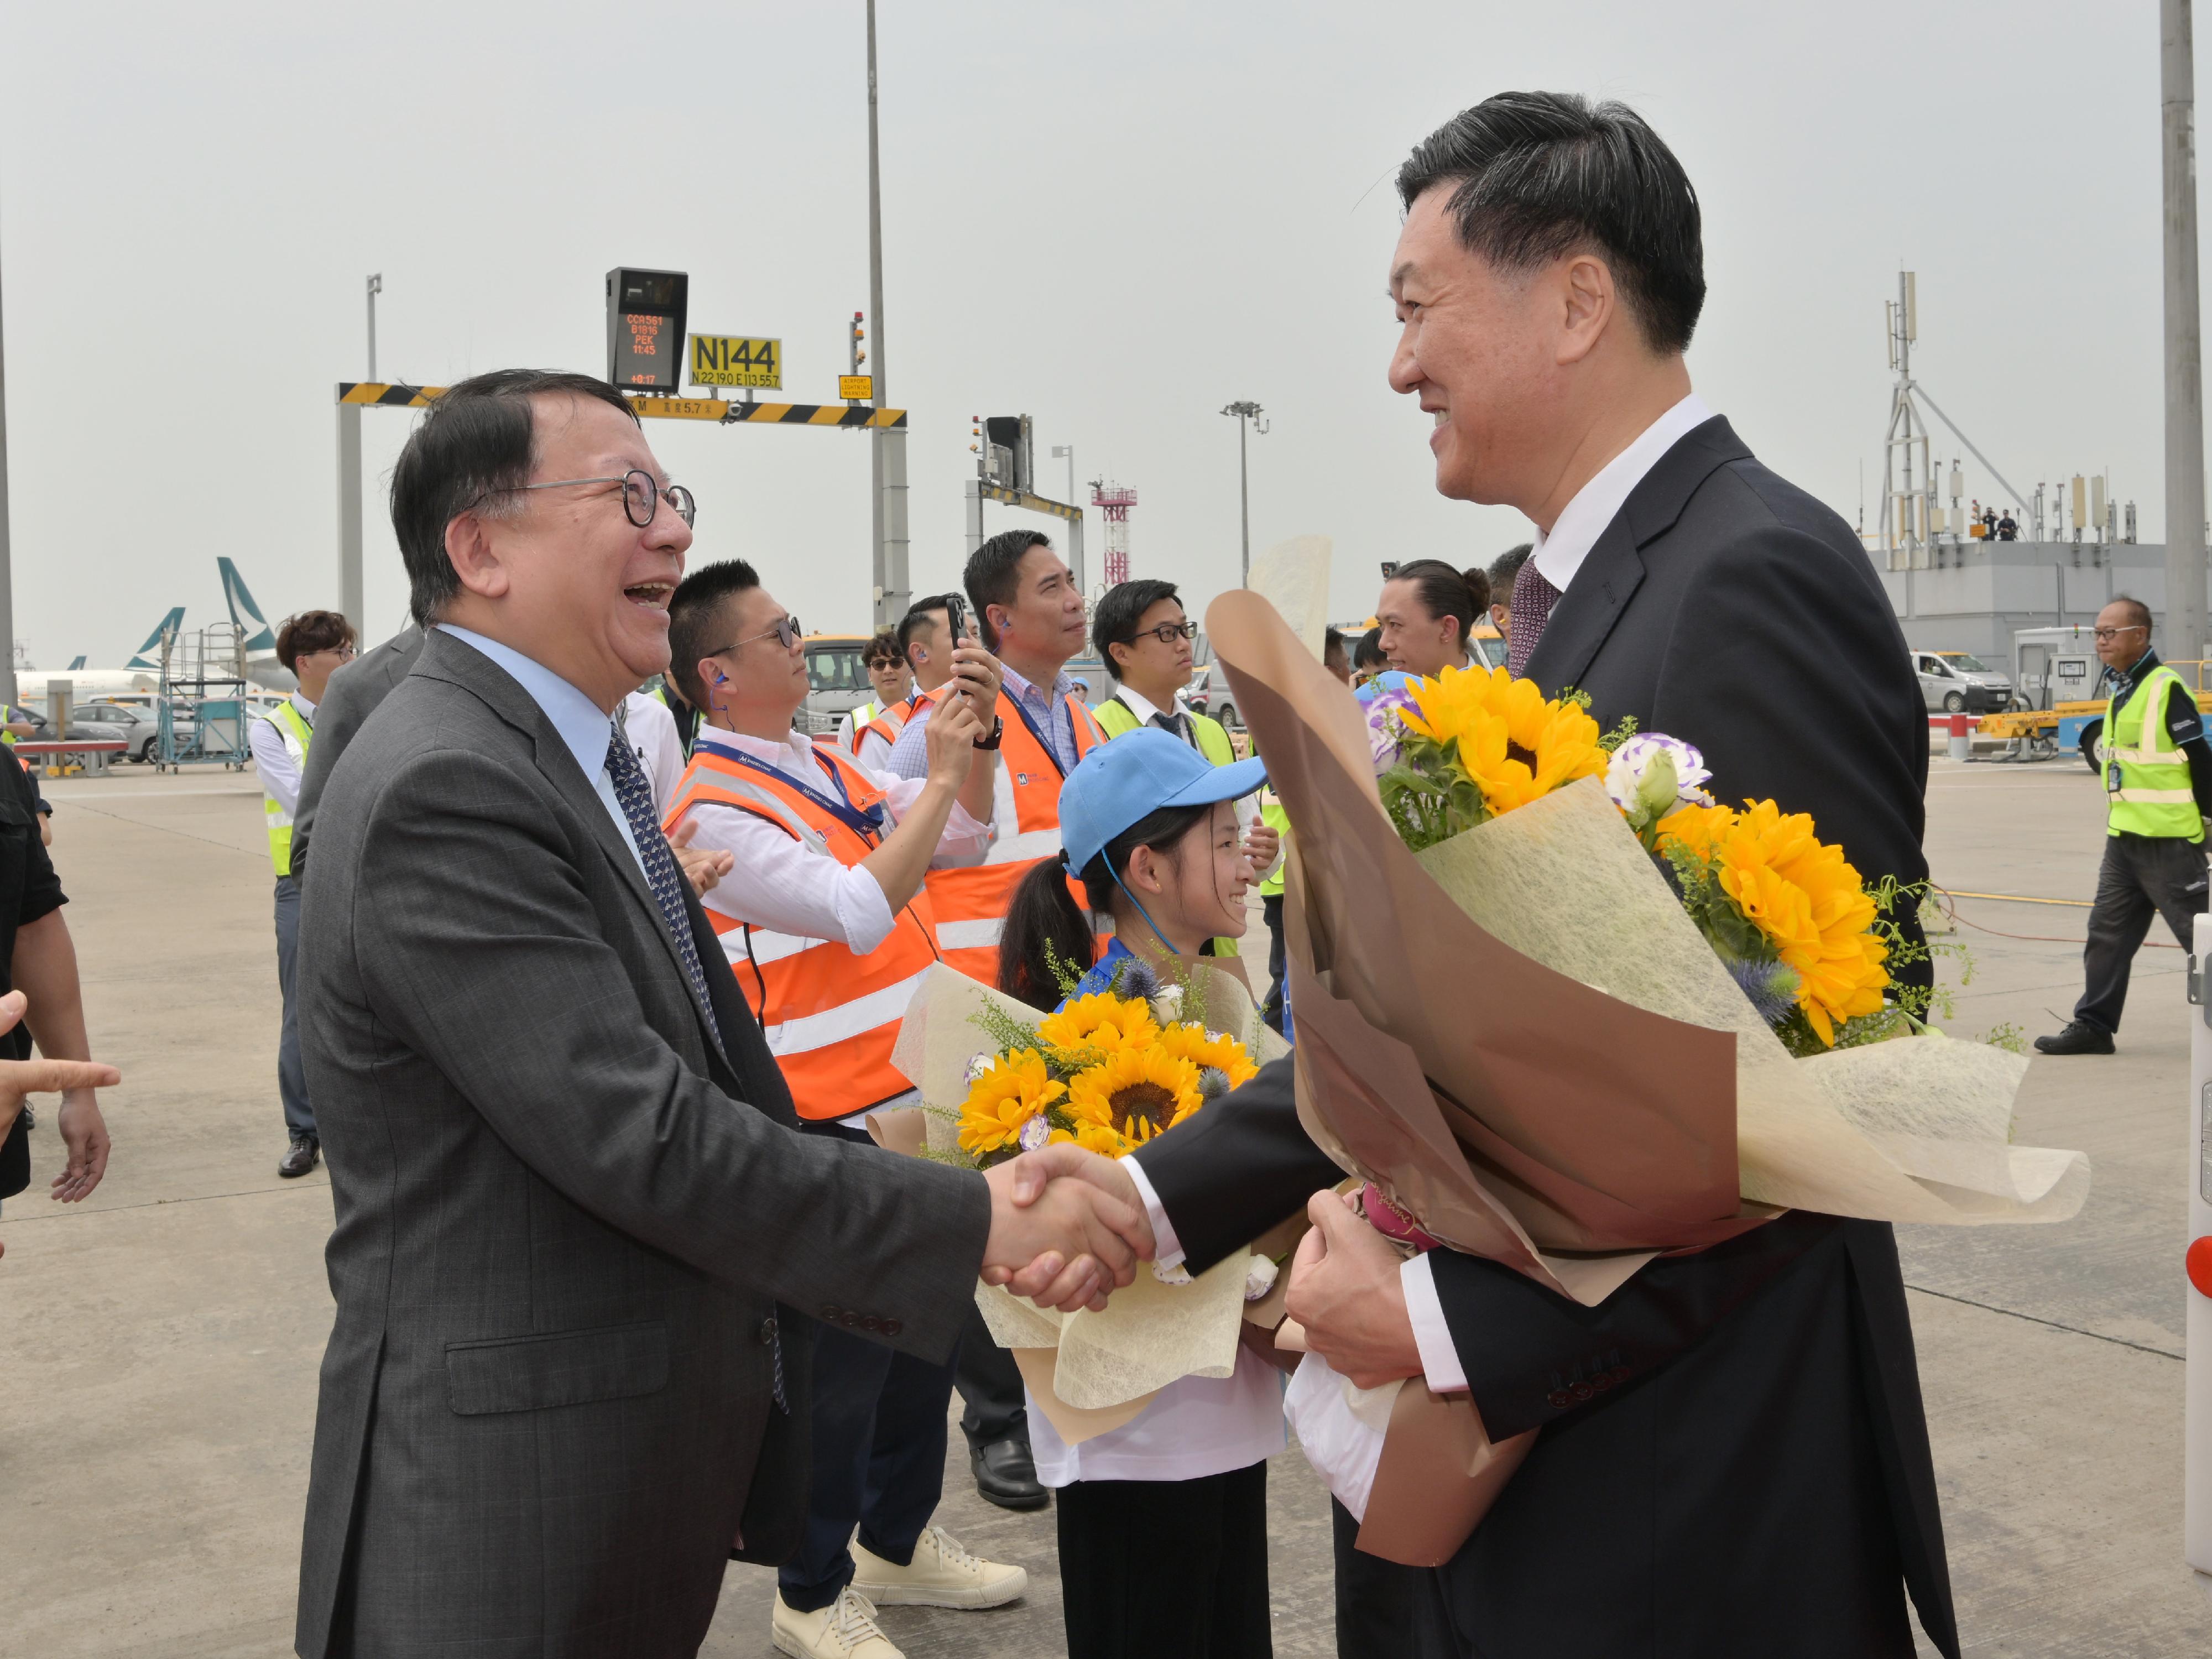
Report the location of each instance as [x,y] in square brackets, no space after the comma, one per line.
[1539,174]
[1445,592]
[993,577]
[479,440]
[917,618]
[309,632]
[1506,567]
[883,646]
[1333,640]
[1120,610]
[2137,610]
[1368,653]
[697,621]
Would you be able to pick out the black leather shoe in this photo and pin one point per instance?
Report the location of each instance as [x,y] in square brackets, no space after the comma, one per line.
[1006,1473]
[2080,1038]
[306,1149]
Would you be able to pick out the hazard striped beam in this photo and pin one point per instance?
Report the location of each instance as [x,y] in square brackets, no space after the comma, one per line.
[992,492]
[386,395]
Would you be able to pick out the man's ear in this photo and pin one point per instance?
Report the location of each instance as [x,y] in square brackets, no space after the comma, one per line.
[998,617]
[1586,302]
[482,571]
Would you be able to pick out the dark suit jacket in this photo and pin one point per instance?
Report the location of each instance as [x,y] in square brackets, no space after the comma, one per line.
[352,695]
[565,1216]
[1726,607]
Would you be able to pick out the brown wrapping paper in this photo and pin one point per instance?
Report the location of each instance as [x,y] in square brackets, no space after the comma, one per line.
[1415,1518]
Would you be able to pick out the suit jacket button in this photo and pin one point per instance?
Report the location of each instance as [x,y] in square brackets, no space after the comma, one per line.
[868,1321]
[850,1320]
[829,1312]
[767,1330]
[1620,1373]
[1581,1391]
[890,1328]
[1559,1399]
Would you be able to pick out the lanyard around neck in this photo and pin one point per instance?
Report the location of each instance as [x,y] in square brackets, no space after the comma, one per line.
[867,824]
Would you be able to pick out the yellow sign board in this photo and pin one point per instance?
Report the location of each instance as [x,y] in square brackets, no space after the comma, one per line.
[737,360]
[862,387]
[680,408]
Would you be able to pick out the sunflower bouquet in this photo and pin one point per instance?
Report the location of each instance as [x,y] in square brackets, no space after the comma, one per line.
[1109,1071]
[1804,937]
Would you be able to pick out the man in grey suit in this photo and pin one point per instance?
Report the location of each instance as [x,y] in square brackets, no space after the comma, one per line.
[577,1240]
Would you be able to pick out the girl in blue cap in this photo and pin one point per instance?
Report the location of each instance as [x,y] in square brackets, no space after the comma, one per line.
[1163,1522]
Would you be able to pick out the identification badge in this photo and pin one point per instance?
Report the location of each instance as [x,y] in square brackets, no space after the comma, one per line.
[2113,777]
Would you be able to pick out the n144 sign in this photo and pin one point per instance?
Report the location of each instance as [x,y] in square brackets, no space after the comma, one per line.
[737,360]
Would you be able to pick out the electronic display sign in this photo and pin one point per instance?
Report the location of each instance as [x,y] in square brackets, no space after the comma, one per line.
[645,329]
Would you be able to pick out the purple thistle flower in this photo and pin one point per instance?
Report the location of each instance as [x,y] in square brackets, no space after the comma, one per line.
[1772,986]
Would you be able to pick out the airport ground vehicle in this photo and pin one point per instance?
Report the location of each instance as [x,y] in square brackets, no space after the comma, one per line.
[837,680]
[1959,682]
[138,725]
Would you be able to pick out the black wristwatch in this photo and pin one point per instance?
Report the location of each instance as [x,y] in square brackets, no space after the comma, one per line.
[998,731]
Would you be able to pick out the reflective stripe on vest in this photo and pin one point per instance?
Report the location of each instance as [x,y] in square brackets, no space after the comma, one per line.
[892,721]
[297,734]
[830,1016]
[2146,774]
[971,904]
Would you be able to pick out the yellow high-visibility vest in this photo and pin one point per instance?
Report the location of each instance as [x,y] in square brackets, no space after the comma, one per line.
[2145,775]
[293,727]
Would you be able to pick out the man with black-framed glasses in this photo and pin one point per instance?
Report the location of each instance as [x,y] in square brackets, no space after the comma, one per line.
[2150,749]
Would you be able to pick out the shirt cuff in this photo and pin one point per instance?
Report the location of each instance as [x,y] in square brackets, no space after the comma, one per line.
[1439,1359]
[1167,1248]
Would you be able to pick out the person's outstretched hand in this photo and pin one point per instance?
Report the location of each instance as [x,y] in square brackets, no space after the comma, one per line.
[1032,1173]
[703,866]
[1345,1291]
[1063,1247]
[83,1130]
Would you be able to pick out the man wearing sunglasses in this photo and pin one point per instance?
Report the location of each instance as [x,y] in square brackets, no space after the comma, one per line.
[581,1248]
[2157,769]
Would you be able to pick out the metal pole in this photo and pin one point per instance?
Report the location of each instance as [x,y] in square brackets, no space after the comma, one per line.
[890,583]
[2184,367]
[7,566]
[975,514]
[350,594]
[1244,506]
[375,288]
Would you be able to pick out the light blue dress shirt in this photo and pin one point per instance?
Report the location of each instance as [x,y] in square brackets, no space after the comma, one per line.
[580,722]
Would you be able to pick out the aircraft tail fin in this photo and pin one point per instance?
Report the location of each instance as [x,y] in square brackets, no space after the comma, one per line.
[75,663]
[148,655]
[260,637]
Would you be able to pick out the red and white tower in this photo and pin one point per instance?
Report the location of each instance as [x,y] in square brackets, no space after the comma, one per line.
[1115,502]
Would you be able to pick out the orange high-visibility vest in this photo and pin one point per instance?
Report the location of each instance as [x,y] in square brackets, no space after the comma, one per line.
[893,720]
[971,904]
[830,1016]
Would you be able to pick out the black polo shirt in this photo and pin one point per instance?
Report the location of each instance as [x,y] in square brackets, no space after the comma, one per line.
[29,890]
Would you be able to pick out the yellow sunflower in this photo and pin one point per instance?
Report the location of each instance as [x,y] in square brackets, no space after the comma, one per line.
[1202,1048]
[1136,1092]
[1696,827]
[1100,1138]
[1806,897]
[1013,1091]
[1517,744]
[1101,1021]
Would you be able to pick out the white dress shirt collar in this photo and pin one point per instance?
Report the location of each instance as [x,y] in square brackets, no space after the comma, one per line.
[1558,554]
[1141,706]
[306,707]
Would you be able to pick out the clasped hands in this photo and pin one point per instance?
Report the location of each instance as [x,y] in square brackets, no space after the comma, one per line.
[1067,1227]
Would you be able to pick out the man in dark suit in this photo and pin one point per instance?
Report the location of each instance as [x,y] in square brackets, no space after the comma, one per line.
[578,1242]
[1735,1457]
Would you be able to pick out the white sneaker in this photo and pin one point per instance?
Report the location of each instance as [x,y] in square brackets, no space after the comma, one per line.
[846,1629]
[941,1574]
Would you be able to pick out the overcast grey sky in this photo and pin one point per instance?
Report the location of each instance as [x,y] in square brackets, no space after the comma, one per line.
[1115,218]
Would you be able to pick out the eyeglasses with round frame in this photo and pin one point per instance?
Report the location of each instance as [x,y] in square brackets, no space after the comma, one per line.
[787,632]
[343,653]
[1169,633]
[641,496]
[2106,636]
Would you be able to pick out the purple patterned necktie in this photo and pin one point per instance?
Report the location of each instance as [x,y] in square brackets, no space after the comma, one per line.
[1531,606]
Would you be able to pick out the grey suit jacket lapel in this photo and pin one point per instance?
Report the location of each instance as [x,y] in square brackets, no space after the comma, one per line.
[1585,613]
[449,658]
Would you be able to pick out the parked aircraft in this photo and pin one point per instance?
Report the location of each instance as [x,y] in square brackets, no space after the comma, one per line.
[141,674]
[261,664]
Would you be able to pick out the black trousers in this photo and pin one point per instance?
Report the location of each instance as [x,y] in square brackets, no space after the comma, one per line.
[1374,1597]
[1166,1568]
[1271,905]
[2142,877]
[879,1440]
[990,1385]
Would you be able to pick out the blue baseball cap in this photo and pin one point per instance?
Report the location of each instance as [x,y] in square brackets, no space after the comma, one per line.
[1122,783]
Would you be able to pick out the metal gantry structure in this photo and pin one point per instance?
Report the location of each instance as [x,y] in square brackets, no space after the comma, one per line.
[1115,501]
[1910,497]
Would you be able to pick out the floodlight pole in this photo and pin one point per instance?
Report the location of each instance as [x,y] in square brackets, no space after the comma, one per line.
[7,566]
[375,288]
[886,449]
[1248,416]
[2184,365]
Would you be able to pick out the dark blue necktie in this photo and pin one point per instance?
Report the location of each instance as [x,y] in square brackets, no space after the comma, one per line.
[662,874]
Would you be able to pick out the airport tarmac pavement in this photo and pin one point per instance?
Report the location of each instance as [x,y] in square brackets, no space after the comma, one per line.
[158,1395]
